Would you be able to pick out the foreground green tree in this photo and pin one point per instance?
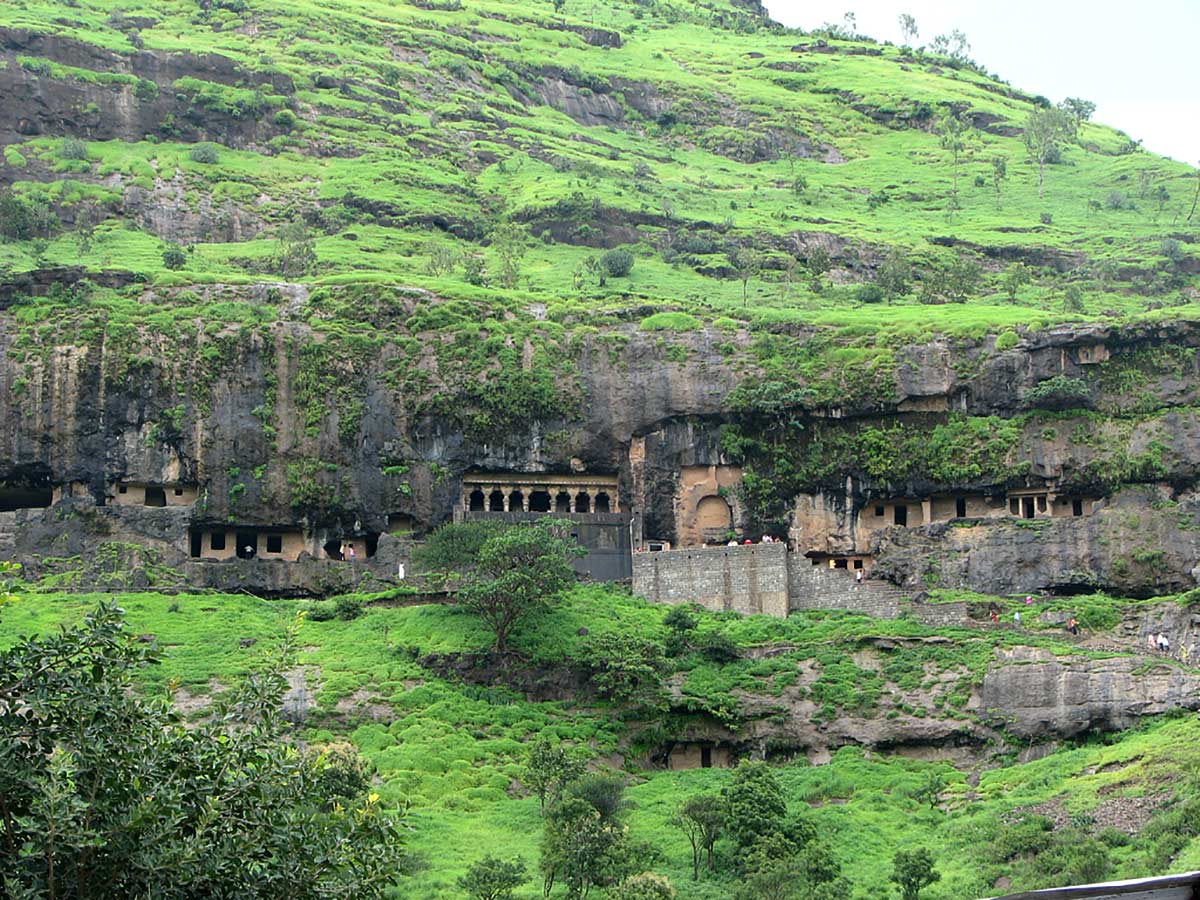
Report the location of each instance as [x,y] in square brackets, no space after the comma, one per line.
[549,769]
[518,571]
[104,793]
[645,886]
[754,804]
[492,878]
[1046,132]
[913,871]
[702,818]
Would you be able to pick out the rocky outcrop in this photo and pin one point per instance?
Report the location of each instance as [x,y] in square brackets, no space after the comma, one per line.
[1139,542]
[1034,695]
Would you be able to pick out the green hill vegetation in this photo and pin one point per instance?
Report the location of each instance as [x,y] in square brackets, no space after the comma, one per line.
[455,751]
[493,154]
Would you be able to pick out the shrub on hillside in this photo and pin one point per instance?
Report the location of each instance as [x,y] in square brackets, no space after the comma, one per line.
[617,263]
[348,607]
[73,148]
[206,154]
[174,258]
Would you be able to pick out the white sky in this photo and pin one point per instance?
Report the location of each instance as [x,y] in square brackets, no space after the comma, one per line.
[1135,61]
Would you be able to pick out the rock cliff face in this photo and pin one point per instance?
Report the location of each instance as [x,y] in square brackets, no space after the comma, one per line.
[283,424]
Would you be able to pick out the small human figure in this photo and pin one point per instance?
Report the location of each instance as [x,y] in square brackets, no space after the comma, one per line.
[350,553]
[400,571]
[247,552]
[732,542]
[747,541]
[1017,618]
[995,616]
[1164,642]
[1152,641]
[766,539]
[1185,653]
[858,576]
[1028,601]
[1073,626]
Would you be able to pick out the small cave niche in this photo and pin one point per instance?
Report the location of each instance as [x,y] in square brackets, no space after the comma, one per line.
[539,501]
[14,497]
[583,503]
[496,501]
[516,502]
[562,502]
[476,501]
[603,505]
[247,545]
[155,496]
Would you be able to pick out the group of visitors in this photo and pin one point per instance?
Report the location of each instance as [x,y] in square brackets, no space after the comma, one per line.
[766,539]
[1159,642]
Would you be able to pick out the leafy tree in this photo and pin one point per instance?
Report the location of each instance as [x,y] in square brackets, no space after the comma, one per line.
[581,849]
[1015,277]
[586,268]
[954,45]
[626,667]
[617,263]
[558,5]
[1160,197]
[492,878]
[603,791]
[455,547]
[930,790]
[999,174]
[296,252]
[119,798]
[819,262]
[1073,299]
[702,818]
[549,769]
[508,242]
[954,283]
[894,275]
[474,269]
[440,258]
[517,572]
[913,871]
[754,803]
[1046,132]
[799,185]
[908,29]
[956,136]
[174,257]
[645,886]
[746,263]
[1078,109]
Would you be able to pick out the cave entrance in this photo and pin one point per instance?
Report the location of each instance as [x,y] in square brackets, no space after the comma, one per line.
[539,501]
[562,503]
[1027,509]
[247,545]
[496,501]
[516,502]
[706,757]
[196,540]
[333,549]
[900,515]
[155,496]
[960,507]
[1077,507]
[583,503]
[603,504]
[476,502]
[14,498]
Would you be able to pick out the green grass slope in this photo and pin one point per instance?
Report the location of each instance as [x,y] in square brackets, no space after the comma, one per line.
[454,751]
[412,137]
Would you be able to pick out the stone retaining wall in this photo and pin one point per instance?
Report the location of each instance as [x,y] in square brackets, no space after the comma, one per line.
[747,579]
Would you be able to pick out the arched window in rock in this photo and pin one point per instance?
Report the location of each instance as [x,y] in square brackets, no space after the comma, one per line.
[562,503]
[539,501]
[602,503]
[496,501]
[476,501]
[583,503]
[516,502]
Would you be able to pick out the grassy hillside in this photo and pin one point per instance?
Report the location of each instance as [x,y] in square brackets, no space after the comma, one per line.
[455,751]
[406,139]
